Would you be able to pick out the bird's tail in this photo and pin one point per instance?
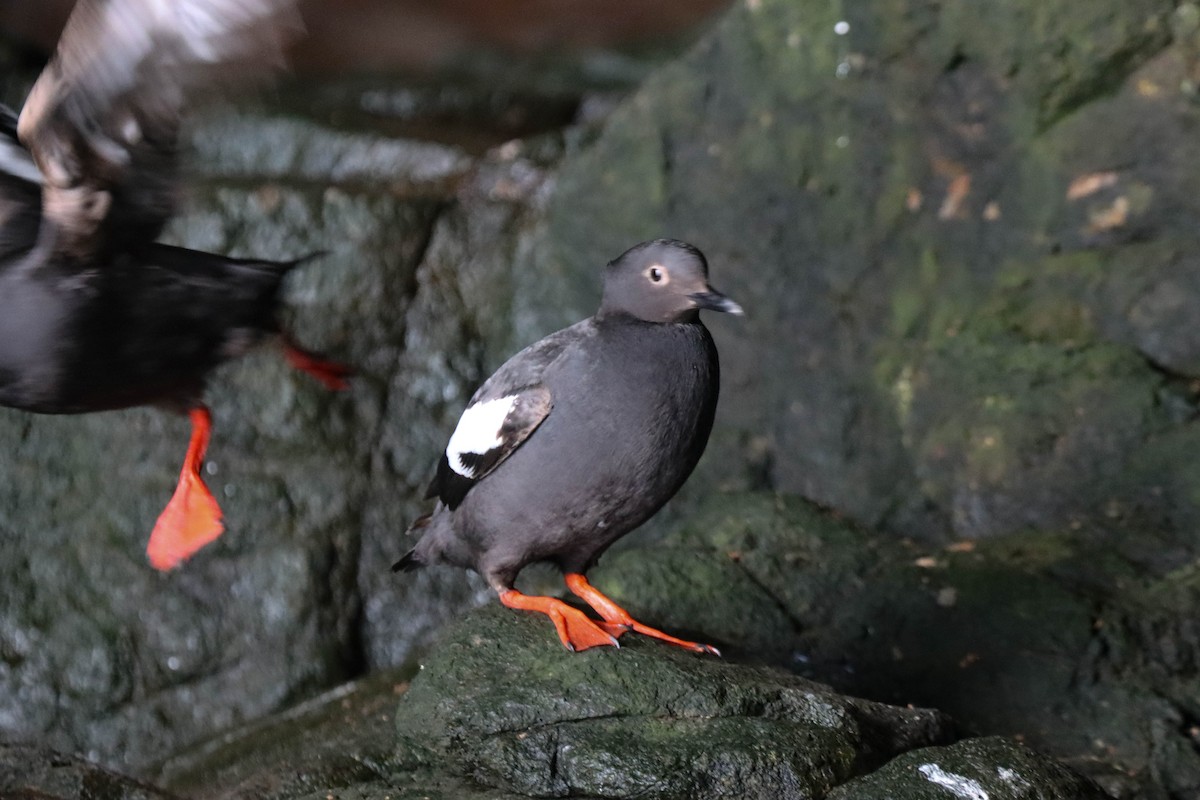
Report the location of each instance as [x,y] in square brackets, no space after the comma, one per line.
[288,266]
[411,561]
[333,375]
[277,269]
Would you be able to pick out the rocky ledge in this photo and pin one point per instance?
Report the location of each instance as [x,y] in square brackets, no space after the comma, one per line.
[501,711]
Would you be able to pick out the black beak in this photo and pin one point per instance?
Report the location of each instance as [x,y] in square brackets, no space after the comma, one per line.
[715,301]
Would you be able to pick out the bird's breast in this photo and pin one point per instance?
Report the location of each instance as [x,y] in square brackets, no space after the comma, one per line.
[635,418]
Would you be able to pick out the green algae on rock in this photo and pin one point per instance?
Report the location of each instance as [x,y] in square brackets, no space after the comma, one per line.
[996,194]
[35,773]
[993,768]
[1052,636]
[499,701]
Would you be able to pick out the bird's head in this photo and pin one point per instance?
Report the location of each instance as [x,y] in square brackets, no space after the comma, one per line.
[665,280]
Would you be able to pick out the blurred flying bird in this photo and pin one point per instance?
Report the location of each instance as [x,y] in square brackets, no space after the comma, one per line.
[94,314]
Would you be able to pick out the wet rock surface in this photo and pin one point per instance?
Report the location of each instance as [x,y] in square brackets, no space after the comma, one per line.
[34,773]
[501,702]
[963,256]
[500,710]
[337,741]
[1055,641]
[995,768]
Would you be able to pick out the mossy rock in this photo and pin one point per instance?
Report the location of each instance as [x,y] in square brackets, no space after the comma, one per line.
[34,773]
[502,702]
[963,238]
[975,769]
[1050,637]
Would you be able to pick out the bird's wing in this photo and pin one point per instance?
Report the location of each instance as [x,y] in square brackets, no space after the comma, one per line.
[20,187]
[15,161]
[502,414]
[102,120]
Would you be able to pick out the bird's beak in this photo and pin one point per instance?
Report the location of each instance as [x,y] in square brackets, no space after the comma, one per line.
[715,301]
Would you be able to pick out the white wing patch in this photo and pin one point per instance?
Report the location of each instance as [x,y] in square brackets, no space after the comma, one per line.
[478,432]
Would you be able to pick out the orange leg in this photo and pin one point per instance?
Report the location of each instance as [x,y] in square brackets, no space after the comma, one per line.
[575,630]
[617,617]
[192,519]
[330,373]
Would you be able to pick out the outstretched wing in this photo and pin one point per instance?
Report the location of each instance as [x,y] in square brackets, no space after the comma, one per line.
[502,414]
[102,120]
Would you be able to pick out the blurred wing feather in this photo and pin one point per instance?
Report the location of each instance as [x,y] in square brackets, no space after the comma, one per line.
[102,120]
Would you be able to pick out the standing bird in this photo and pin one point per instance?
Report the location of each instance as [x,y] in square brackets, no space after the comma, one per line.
[94,314]
[580,438]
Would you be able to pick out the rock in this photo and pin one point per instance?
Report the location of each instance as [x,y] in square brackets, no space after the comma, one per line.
[35,773]
[1055,640]
[500,701]
[975,769]
[966,249]
[337,740]
[336,745]
[1009,638]
[963,244]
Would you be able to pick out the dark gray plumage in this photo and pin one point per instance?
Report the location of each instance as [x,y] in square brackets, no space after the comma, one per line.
[580,438]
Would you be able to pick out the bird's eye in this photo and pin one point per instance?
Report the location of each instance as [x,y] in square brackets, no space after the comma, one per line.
[656,274]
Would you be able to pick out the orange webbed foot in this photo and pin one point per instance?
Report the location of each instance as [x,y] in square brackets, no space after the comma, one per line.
[575,630]
[615,629]
[616,617]
[192,519]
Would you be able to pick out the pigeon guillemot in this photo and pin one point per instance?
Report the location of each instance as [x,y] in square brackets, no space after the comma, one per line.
[94,314]
[580,438]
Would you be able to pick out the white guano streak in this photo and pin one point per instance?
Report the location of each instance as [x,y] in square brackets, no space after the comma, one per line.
[478,431]
[958,785]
